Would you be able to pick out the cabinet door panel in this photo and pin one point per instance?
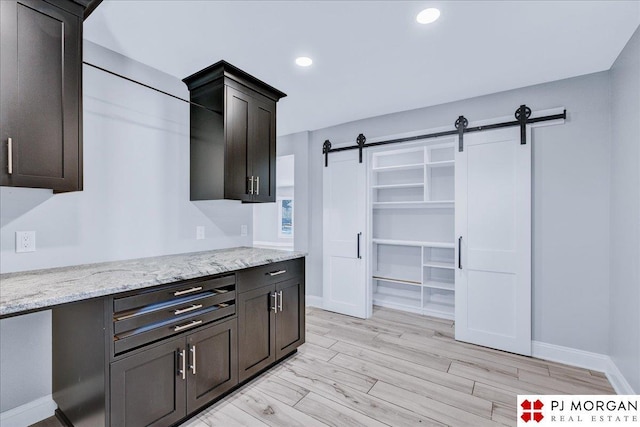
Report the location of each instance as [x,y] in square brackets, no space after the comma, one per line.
[263,150]
[290,321]
[41,69]
[147,388]
[237,136]
[256,323]
[215,363]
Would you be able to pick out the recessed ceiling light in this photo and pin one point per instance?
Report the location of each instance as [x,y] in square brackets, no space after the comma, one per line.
[428,16]
[304,61]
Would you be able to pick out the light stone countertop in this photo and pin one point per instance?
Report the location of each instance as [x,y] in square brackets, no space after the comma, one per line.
[42,289]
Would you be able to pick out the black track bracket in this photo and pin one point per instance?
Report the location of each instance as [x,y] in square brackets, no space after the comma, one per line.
[461,124]
[360,140]
[326,147]
[522,114]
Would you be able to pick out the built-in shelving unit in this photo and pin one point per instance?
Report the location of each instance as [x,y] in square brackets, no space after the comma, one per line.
[412,211]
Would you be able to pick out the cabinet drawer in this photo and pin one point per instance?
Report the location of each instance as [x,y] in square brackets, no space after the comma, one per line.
[155,331]
[132,319]
[257,277]
[170,293]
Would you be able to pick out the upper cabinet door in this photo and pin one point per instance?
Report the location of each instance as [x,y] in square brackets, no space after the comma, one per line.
[40,106]
[263,151]
[237,182]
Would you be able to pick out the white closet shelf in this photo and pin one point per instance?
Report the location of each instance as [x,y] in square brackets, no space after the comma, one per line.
[410,185]
[439,310]
[442,164]
[436,264]
[398,167]
[396,301]
[413,243]
[432,204]
[439,285]
[395,280]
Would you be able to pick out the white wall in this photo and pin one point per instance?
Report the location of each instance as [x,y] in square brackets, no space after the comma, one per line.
[265,215]
[135,203]
[570,199]
[624,331]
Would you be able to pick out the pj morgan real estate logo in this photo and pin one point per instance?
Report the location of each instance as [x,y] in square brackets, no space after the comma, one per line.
[578,410]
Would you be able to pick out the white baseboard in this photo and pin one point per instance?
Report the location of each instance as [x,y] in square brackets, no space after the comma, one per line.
[583,359]
[29,413]
[313,301]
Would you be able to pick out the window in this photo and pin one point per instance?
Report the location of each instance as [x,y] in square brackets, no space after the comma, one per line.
[285,218]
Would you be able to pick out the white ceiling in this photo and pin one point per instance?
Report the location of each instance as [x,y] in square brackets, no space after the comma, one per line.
[370,57]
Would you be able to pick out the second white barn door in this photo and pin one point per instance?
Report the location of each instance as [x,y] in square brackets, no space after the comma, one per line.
[493,246]
[344,219]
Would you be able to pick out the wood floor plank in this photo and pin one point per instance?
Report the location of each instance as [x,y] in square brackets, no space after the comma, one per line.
[564,385]
[227,415]
[440,393]
[272,411]
[333,414]
[316,329]
[316,352]
[344,376]
[504,414]
[438,411]
[319,340]
[282,390]
[494,394]
[358,401]
[405,366]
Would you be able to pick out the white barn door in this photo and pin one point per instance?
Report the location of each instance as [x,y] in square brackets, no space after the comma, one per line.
[344,219]
[493,246]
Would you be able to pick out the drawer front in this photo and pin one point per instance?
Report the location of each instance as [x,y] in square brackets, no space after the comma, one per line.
[156,331]
[264,275]
[170,293]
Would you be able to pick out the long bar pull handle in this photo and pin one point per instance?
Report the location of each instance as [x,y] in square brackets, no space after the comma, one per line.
[460,252]
[359,256]
[193,359]
[257,185]
[188,309]
[187,291]
[250,178]
[280,303]
[187,326]
[274,307]
[276,273]
[10,155]
[183,364]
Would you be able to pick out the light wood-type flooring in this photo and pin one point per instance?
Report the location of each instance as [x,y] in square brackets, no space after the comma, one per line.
[395,369]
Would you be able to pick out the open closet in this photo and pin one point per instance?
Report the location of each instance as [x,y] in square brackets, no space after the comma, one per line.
[446,231]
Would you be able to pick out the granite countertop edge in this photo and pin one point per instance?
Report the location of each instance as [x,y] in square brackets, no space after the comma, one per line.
[36,290]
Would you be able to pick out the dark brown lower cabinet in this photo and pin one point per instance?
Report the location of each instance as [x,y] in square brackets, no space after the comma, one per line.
[161,385]
[271,323]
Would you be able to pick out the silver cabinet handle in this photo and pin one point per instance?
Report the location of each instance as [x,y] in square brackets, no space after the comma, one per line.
[250,178]
[460,252]
[280,303]
[193,359]
[10,155]
[276,273]
[274,307]
[183,372]
[187,325]
[187,291]
[188,309]
[257,185]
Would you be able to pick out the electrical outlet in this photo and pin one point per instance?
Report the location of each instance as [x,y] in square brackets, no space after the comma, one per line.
[199,232]
[25,241]
[243,231]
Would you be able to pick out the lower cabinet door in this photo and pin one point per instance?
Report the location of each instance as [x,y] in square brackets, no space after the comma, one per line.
[148,389]
[256,323]
[290,323]
[212,363]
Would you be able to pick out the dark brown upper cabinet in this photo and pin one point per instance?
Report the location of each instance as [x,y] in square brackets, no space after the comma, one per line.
[233,135]
[41,94]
